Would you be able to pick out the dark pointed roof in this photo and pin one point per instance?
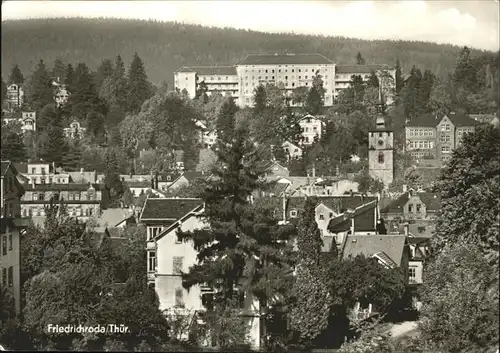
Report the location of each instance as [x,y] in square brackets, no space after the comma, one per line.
[431,201]
[392,246]
[169,209]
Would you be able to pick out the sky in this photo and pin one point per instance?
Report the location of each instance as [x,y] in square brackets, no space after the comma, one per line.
[471,23]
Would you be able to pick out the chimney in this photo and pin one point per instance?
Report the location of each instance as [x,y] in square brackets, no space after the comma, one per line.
[284,207]
[352,224]
[407,229]
[337,170]
[405,188]
[81,171]
[314,170]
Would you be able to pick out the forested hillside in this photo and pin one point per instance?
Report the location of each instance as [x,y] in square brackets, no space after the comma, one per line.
[165,47]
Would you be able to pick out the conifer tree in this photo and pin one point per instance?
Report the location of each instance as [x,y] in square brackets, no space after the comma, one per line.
[139,88]
[58,70]
[73,160]
[316,96]
[240,244]
[373,80]
[55,145]
[359,59]
[398,78]
[40,90]
[201,92]
[104,71]
[16,76]
[259,99]
[12,147]
[69,77]
[112,175]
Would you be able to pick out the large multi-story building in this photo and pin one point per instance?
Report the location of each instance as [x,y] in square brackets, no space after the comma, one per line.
[432,137]
[10,231]
[81,200]
[312,127]
[287,71]
[39,171]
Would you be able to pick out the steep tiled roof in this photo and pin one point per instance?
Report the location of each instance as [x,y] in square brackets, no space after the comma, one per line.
[193,176]
[360,69]
[483,118]
[391,245]
[459,119]
[86,177]
[364,219]
[113,216]
[62,187]
[430,200]
[285,59]
[168,209]
[4,166]
[424,120]
[21,167]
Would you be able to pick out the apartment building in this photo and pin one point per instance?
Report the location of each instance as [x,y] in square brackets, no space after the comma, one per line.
[312,128]
[287,71]
[81,200]
[219,79]
[38,171]
[433,138]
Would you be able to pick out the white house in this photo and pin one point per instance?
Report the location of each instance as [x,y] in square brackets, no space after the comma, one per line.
[169,257]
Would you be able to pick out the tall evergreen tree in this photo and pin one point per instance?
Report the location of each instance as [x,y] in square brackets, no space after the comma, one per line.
[58,70]
[104,71]
[69,77]
[399,77]
[12,148]
[201,92]
[112,180]
[84,98]
[241,244]
[55,145]
[73,160]
[16,76]
[373,80]
[316,96]
[359,59]
[139,88]
[40,91]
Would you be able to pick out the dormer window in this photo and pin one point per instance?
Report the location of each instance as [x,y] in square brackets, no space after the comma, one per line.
[293,214]
[419,208]
[321,217]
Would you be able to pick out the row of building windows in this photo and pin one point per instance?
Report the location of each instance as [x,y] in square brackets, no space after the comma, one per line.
[414,145]
[75,212]
[420,132]
[49,180]
[417,209]
[4,244]
[318,70]
[72,196]
[8,276]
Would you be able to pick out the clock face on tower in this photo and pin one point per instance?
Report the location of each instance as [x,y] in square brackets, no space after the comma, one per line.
[380,142]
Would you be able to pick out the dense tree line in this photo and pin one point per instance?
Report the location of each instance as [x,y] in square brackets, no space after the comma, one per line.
[183,45]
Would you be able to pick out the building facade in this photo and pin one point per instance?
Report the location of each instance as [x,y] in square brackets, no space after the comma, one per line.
[429,137]
[26,119]
[75,130]
[287,71]
[381,153]
[312,128]
[15,96]
[82,201]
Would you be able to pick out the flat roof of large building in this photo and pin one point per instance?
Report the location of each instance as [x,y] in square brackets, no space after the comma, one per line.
[285,59]
[360,69]
[210,70]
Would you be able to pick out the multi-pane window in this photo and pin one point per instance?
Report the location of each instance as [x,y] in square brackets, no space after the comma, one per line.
[4,277]
[10,241]
[151,261]
[177,265]
[410,208]
[293,214]
[412,273]
[153,232]
[419,208]
[11,276]
[179,298]
[4,245]
[381,157]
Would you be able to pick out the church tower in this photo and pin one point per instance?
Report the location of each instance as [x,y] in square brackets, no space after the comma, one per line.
[381,151]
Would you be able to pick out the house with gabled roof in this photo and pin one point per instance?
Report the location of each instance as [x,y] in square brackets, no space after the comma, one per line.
[434,137]
[188,178]
[417,209]
[390,251]
[169,257]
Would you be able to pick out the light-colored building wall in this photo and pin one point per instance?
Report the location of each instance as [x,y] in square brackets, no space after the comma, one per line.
[167,258]
[311,128]
[293,151]
[289,77]
[10,263]
[381,155]
[186,81]
[15,96]
[223,84]
[75,130]
[415,271]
